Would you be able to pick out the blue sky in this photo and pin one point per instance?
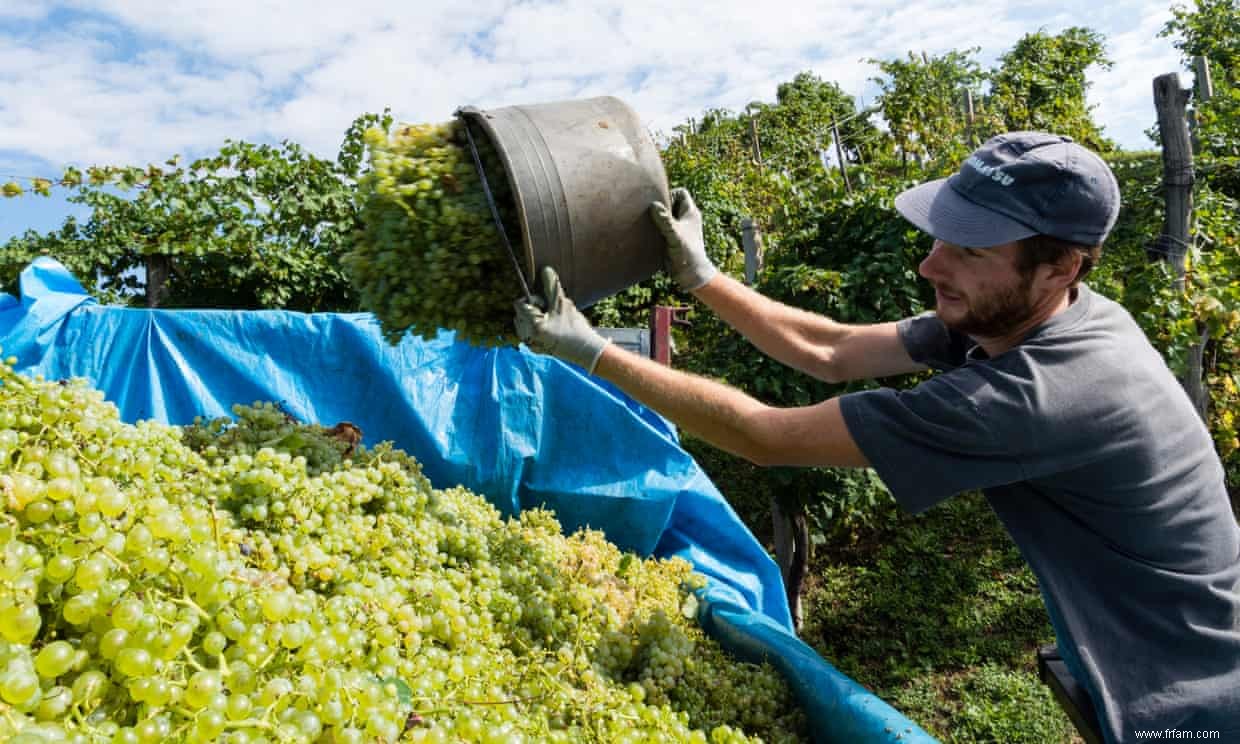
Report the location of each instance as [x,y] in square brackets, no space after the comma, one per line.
[135,81]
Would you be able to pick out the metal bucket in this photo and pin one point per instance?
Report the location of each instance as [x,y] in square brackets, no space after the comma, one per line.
[583,174]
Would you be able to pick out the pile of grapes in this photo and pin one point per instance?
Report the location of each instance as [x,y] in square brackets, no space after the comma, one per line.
[429,255]
[259,580]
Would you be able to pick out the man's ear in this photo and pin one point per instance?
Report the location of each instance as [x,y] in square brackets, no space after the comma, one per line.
[1062,273]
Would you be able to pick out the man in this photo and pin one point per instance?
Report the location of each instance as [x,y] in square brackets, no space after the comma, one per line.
[1049,399]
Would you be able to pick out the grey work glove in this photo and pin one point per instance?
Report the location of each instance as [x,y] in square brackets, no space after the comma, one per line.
[553,325]
[681,226]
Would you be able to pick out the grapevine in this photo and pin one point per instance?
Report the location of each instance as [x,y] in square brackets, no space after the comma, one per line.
[428,255]
[263,580]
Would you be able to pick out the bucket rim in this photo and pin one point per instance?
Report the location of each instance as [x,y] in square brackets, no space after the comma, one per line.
[468,114]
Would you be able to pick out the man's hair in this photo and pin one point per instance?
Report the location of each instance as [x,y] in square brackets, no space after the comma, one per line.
[1043,249]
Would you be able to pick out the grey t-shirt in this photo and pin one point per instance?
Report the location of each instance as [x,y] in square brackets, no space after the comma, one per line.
[1095,461]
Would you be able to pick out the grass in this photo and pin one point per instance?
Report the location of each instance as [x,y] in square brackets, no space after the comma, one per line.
[940,616]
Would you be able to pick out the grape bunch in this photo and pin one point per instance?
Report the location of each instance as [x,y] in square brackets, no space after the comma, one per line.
[266,424]
[428,254]
[208,584]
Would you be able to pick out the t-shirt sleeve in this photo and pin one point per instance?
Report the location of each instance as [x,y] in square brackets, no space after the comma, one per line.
[930,442]
[931,343]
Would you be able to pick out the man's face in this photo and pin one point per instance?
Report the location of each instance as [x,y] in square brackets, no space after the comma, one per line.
[979,291]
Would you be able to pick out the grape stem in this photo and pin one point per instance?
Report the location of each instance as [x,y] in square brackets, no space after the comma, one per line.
[215,527]
[116,559]
[94,465]
[257,723]
[191,603]
[510,701]
[189,656]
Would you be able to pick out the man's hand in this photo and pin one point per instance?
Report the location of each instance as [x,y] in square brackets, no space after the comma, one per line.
[686,247]
[555,326]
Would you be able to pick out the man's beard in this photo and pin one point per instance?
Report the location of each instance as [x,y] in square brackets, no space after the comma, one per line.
[997,315]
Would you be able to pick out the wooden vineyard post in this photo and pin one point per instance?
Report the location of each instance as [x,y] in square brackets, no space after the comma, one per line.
[158,269]
[757,144]
[751,238]
[791,536]
[969,117]
[1171,102]
[839,154]
[1203,90]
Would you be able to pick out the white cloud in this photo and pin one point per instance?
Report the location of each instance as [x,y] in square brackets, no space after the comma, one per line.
[18,10]
[137,80]
[1124,95]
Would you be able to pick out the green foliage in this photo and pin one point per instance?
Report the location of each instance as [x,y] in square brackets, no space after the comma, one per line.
[1208,28]
[921,100]
[1133,274]
[798,126]
[253,226]
[1216,305]
[1211,29]
[999,704]
[1041,84]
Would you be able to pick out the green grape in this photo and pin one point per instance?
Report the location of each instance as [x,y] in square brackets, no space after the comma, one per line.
[110,500]
[276,606]
[238,707]
[112,642]
[139,539]
[429,255]
[18,684]
[62,489]
[135,662]
[214,643]
[127,614]
[210,724]
[125,735]
[251,579]
[92,572]
[20,623]
[54,659]
[80,608]
[54,703]
[89,687]
[202,687]
[60,568]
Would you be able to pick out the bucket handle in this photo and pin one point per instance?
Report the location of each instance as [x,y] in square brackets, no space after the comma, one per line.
[463,113]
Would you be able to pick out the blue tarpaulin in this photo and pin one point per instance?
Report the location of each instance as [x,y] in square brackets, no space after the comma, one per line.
[521,429]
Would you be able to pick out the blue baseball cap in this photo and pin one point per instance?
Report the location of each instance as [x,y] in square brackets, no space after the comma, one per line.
[1015,186]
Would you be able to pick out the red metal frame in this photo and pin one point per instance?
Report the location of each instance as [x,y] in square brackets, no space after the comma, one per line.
[661,322]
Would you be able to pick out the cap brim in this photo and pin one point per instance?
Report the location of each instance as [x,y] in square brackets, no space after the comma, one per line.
[937,209]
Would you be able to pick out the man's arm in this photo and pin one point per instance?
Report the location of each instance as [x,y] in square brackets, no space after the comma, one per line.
[812,343]
[725,417]
[730,420]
